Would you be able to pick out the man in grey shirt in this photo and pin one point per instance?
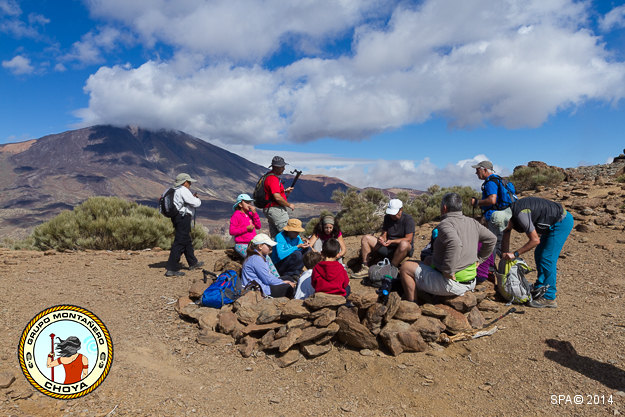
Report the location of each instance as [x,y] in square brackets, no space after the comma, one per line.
[452,268]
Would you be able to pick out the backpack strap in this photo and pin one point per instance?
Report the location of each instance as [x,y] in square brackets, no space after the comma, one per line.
[500,205]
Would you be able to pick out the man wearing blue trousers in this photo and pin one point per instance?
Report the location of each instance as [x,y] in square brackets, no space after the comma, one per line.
[547,225]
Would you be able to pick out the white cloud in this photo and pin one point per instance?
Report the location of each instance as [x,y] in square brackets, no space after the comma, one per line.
[510,64]
[215,102]
[11,21]
[414,174]
[614,19]
[89,50]
[19,65]
[246,30]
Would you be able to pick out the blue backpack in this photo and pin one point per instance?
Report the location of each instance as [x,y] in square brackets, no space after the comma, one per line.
[506,192]
[225,290]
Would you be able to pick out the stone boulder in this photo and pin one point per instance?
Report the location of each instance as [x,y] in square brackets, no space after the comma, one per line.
[408,311]
[209,319]
[373,318]
[314,350]
[429,328]
[392,305]
[455,322]
[322,300]
[433,311]
[388,335]
[462,303]
[294,309]
[363,300]
[475,318]
[197,289]
[352,333]
[211,338]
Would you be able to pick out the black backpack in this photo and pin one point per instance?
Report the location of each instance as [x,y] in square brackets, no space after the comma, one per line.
[166,204]
[259,192]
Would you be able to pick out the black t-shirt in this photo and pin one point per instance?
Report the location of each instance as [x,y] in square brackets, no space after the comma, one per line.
[396,229]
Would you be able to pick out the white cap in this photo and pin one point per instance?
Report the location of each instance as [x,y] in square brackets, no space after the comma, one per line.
[394,206]
[263,238]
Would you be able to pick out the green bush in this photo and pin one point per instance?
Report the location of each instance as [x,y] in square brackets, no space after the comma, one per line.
[213,241]
[620,178]
[529,178]
[109,223]
[362,213]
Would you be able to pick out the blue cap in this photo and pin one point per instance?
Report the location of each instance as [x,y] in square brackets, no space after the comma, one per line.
[242,197]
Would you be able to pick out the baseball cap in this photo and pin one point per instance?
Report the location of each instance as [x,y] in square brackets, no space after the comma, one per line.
[241,197]
[393,206]
[263,238]
[484,164]
[182,178]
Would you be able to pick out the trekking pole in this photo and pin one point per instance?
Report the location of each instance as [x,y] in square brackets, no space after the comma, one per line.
[52,350]
[512,310]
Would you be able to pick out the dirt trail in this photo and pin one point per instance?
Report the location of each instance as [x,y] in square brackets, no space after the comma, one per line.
[159,369]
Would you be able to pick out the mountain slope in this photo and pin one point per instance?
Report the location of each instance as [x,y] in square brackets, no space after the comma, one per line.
[39,178]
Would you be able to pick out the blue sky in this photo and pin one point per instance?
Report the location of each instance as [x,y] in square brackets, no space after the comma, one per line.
[378,93]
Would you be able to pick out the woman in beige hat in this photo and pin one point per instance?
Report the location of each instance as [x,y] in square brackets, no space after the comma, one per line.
[288,255]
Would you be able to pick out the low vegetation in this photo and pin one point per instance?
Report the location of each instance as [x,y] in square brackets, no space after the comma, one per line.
[620,178]
[530,178]
[109,223]
[362,212]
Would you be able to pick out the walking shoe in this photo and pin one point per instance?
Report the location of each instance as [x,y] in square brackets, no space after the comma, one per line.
[542,302]
[196,266]
[364,272]
[174,273]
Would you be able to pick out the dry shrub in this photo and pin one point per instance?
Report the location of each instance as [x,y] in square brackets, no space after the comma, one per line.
[109,223]
[529,178]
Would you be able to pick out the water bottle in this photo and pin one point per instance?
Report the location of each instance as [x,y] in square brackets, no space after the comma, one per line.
[385,289]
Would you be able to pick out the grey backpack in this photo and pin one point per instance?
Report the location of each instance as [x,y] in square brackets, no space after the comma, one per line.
[511,282]
[378,272]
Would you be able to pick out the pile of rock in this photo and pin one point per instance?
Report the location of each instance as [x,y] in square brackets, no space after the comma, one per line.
[290,327]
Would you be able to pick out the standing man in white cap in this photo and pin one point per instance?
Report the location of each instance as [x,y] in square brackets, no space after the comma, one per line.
[396,241]
[185,203]
[276,195]
[497,194]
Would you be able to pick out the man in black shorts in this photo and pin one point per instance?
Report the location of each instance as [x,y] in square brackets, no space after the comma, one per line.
[396,241]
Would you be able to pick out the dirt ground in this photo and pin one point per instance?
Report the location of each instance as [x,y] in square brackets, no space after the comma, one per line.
[160,369]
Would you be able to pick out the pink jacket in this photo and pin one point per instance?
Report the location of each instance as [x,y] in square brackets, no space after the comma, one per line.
[238,226]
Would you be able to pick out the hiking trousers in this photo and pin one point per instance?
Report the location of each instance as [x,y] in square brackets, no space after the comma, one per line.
[547,252]
[182,243]
[277,217]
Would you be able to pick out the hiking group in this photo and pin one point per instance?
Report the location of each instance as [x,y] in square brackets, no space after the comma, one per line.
[460,253]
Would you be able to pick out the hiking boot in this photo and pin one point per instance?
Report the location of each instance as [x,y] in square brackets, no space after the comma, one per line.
[174,273]
[542,302]
[364,272]
[196,266]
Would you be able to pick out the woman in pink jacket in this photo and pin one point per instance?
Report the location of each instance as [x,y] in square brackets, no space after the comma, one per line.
[243,226]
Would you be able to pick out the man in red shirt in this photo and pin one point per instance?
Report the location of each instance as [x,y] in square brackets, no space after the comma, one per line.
[276,213]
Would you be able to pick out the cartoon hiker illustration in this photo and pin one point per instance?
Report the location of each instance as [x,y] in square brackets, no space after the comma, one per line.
[76,365]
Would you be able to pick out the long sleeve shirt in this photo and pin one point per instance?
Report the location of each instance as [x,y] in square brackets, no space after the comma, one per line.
[285,246]
[455,248]
[238,225]
[255,268]
[185,201]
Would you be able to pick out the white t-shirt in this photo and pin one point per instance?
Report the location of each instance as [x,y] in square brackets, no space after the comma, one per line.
[304,287]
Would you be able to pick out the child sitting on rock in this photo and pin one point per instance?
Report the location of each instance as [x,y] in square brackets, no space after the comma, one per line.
[304,286]
[329,276]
